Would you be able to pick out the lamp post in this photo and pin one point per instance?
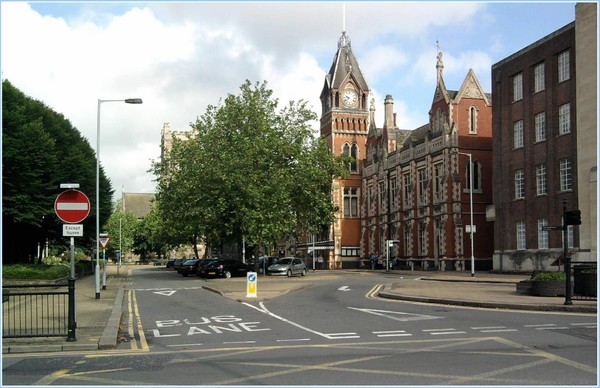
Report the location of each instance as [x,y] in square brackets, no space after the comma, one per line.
[127,101]
[471,227]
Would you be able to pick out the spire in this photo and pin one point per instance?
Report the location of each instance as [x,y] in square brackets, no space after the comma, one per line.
[344,41]
[440,65]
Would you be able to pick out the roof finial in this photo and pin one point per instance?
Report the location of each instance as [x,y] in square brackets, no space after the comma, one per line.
[344,39]
[439,65]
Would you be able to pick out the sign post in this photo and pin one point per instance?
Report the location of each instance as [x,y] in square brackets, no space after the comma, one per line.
[72,206]
[251,280]
[104,239]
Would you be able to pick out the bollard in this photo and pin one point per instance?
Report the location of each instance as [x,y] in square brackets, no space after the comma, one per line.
[71,320]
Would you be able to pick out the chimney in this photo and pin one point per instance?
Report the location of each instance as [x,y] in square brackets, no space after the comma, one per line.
[388,121]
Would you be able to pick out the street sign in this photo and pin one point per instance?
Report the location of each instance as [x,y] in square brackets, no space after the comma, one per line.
[72,206]
[72,230]
[251,284]
[546,228]
[104,241]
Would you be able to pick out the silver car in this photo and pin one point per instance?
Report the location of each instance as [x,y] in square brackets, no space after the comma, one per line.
[288,266]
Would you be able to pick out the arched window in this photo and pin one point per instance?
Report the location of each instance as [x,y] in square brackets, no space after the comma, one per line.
[354,156]
[472,120]
[476,176]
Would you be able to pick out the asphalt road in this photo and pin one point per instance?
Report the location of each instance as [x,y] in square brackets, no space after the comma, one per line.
[331,332]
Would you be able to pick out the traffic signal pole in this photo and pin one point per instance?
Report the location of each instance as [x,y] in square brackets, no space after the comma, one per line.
[565,254]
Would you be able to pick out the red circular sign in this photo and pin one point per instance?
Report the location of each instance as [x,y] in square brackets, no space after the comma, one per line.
[72,206]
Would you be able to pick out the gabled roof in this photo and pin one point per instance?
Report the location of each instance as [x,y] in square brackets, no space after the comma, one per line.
[471,88]
[138,203]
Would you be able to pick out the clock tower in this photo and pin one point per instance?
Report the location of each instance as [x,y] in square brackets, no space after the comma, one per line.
[344,125]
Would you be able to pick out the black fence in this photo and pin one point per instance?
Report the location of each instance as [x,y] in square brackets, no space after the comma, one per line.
[42,310]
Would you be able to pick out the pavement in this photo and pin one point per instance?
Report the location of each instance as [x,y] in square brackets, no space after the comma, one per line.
[98,320]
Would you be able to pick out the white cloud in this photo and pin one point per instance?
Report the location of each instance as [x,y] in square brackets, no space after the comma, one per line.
[181,56]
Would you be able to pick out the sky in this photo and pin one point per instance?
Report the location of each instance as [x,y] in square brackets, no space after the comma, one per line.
[180,57]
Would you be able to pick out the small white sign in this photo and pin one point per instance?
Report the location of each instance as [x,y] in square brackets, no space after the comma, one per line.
[468,228]
[251,286]
[72,230]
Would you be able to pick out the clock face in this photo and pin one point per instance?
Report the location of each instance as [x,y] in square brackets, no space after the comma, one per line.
[349,98]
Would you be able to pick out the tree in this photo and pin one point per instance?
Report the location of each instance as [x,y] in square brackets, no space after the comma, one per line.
[249,170]
[121,226]
[41,150]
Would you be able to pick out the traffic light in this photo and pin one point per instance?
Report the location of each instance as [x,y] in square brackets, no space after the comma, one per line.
[573,217]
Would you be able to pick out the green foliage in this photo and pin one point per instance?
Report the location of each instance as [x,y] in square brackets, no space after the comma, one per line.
[41,150]
[248,169]
[547,276]
[120,226]
[29,271]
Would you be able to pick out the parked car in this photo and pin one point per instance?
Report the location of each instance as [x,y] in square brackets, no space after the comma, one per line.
[188,267]
[263,263]
[288,266]
[177,263]
[170,263]
[201,271]
[226,269]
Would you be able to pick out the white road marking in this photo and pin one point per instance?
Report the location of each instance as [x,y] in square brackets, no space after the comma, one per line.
[443,331]
[263,309]
[293,340]
[176,345]
[392,333]
[396,315]
[165,293]
[493,329]
[344,288]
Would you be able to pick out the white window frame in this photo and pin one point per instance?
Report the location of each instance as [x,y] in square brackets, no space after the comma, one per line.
[541,182]
[351,195]
[518,134]
[543,240]
[519,184]
[422,175]
[521,236]
[517,87]
[564,119]
[539,83]
[407,188]
[566,178]
[540,126]
[563,66]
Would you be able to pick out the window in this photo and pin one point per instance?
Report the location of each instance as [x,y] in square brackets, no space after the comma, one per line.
[518,130]
[538,78]
[517,87]
[422,173]
[521,237]
[350,251]
[565,175]
[394,191]
[476,176]
[407,189]
[472,120]
[350,202]
[422,240]
[540,179]
[570,243]
[563,66]
[381,196]
[542,234]
[438,171]
[564,119]
[519,184]
[540,126]
[407,238]
[354,156]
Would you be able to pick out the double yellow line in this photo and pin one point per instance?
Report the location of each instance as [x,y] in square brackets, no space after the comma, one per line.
[374,292]
[132,327]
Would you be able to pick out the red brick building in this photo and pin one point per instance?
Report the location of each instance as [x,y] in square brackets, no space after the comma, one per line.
[535,154]
[416,184]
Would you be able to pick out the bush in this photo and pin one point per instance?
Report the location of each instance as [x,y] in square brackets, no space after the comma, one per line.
[34,271]
[547,276]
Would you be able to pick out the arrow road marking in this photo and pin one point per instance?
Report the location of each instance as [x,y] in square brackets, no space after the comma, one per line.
[344,288]
[396,315]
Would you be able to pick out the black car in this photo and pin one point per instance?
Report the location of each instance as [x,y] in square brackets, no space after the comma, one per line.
[188,267]
[177,263]
[226,269]
[201,270]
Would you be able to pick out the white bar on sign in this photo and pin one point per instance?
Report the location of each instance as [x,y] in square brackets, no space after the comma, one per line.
[72,206]
[72,230]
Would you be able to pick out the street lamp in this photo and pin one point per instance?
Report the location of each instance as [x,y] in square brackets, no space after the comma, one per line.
[127,101]
[471,227]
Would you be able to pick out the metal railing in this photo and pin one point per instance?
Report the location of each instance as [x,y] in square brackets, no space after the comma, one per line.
[36,311]
[584,280]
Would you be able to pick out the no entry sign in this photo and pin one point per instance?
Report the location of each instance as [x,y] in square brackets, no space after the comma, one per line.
[72,206]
